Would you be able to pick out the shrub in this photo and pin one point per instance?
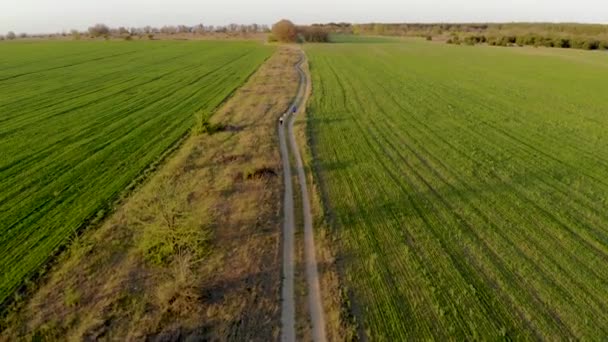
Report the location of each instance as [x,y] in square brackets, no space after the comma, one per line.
[470,40]
[604,45]
[150,36]
[591,44]
[128,38]
[429,38]
[313,34]
[203,126]
[272,38]
[284,31]
[562,43]
[169,230]
[577,43]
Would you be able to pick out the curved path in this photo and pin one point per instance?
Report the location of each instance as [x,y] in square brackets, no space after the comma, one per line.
[312,275]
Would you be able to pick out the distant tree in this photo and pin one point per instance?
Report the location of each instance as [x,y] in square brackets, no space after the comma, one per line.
[199,29]
[183,29]
[233,27]
[23,35]
[1,37]
[123,30]
[99,30]
[11,35]
[75,34]
[284,31]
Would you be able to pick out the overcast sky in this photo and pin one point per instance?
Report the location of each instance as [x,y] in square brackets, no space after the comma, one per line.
[40,16]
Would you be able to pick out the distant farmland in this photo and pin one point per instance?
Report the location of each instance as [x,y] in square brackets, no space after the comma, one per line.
[80,120]
[468,187]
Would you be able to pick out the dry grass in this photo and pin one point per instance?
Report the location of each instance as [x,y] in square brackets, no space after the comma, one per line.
[194,252]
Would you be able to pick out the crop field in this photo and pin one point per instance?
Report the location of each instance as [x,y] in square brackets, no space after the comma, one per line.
[468,187]
[79,121]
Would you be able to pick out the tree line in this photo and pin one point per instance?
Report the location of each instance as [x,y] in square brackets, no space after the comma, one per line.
[102,30]
[566,35]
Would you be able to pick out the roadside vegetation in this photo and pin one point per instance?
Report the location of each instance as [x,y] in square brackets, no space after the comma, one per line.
[191,254]
[81,123]
[470,206]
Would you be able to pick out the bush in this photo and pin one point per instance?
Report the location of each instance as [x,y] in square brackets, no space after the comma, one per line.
[285,31]
[203,126]
[169,230]
[150,36]
[562,43]
[429,38]
[99,30]
[577,43]
[591,44]
[128,38]
[604,45]
[272,38]
[313,34]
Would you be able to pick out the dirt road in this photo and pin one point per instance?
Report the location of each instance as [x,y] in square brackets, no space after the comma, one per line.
[312,276]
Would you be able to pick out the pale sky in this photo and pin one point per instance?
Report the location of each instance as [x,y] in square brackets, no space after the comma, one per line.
[45,16]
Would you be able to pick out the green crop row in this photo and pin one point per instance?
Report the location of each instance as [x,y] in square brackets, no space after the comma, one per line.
[467,188]
[79,121]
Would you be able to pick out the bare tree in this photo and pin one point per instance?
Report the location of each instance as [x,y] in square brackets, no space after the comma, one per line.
[99,30]
[11,35]
[284,31]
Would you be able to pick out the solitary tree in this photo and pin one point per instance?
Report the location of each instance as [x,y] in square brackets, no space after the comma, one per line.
[284,31]
[11,35]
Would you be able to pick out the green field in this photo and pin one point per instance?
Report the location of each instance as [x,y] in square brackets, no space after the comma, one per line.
[468,187]
[79,121]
